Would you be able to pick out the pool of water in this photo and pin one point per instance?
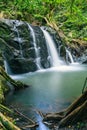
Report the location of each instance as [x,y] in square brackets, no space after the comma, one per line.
[50,90]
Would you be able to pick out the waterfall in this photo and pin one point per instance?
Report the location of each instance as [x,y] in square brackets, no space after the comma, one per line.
[18,39]
[68,55]
[7,68]
[55,60]
[35,47]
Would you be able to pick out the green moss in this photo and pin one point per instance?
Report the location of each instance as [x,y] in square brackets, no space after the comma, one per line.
[3,89]
[1,94]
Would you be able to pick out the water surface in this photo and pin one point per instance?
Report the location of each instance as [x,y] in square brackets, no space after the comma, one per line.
[50,90]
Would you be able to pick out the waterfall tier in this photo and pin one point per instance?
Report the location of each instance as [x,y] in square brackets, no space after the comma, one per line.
[29,48]
[53,53]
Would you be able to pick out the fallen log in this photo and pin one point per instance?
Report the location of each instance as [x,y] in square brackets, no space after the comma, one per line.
[52,116]
[5,109]
[4,120]
[7,124]
[76,115]
[1,93]
[78,102]
[30,126]
[2,127]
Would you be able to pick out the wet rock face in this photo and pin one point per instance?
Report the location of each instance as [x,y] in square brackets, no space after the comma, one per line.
[79,53]
[22,65]
[83,58]
[22,45]
[42,47]
[19,51]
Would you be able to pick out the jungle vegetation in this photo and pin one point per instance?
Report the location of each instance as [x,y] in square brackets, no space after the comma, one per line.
[70,16]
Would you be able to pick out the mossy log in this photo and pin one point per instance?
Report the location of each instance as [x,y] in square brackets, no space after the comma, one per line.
[77,111]
[2,127]
[78,114]
[1,94]
[7,124]
[5,109]
[17,84]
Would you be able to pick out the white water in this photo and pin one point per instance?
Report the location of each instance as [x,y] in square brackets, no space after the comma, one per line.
[35,47]
[70,56]
[55,60]
[19,40]
[7,68]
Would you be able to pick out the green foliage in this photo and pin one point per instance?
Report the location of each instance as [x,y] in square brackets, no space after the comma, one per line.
[70,15]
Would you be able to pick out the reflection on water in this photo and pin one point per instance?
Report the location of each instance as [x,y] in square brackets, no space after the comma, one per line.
[50,90]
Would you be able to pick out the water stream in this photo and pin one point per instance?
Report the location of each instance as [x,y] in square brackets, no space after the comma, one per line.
[35,47]
[69,56]
[18,38]
[55,59]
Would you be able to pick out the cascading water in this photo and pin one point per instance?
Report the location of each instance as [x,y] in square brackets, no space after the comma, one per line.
[7,68]
[69,58]
[35,47]
[55,60]
[18,39]
[68,55]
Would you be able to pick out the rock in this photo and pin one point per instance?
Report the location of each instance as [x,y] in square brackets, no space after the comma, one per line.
[18,51]
[21,47]
[22,65]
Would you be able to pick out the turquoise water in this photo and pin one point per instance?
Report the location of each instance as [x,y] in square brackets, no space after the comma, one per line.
[50,90]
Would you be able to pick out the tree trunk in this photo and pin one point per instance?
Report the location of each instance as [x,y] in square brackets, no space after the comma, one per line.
[77,111]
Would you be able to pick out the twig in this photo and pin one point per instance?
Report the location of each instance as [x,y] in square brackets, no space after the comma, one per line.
[21,114]
[40,113]
[30,126]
